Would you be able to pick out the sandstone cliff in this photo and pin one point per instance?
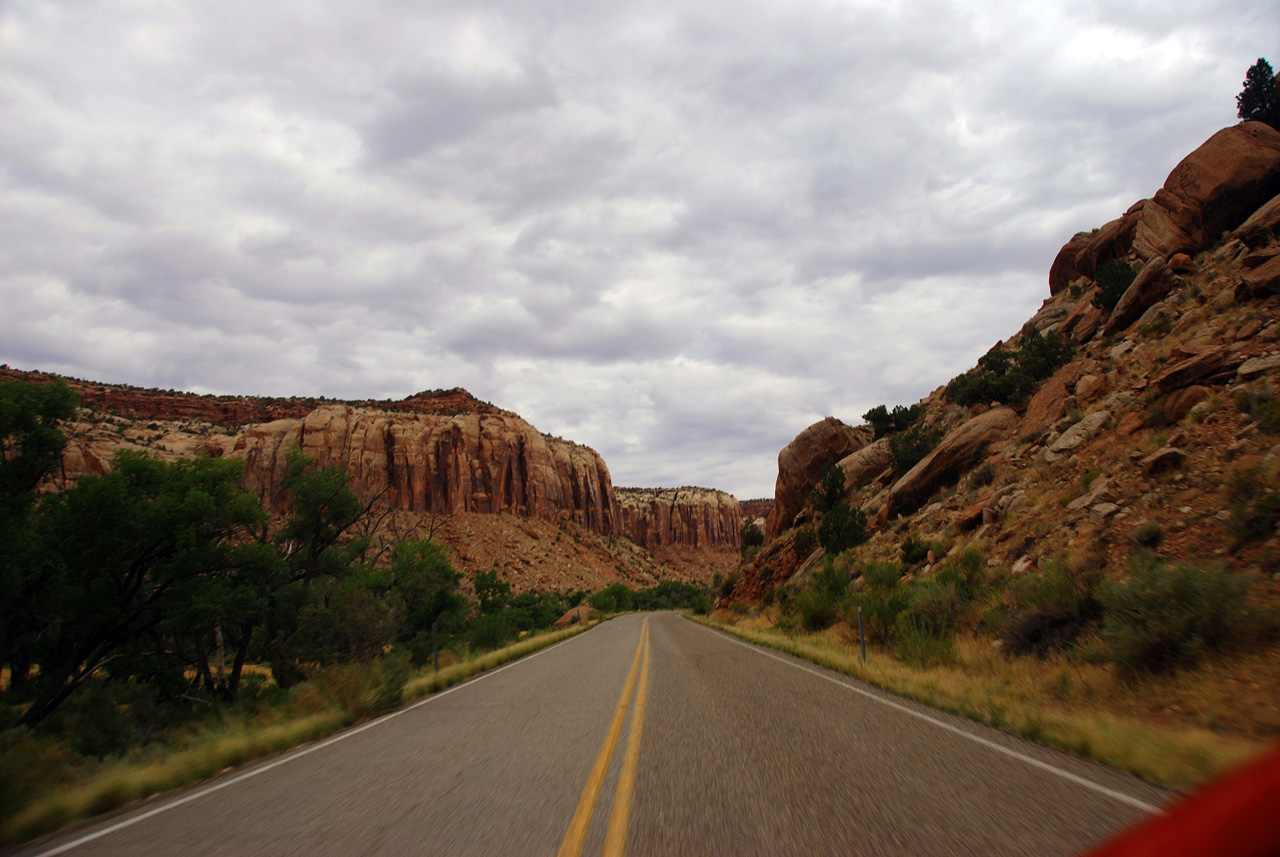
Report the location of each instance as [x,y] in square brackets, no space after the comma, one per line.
[693,517]
[1153,426]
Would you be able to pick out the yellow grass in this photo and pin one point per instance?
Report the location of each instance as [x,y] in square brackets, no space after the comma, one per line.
[219,748]
[1082,709]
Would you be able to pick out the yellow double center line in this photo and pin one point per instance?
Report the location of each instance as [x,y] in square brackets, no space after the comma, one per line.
[615,838]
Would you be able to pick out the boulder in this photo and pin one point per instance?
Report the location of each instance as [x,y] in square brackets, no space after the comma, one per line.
[962,448]
[1152,283]
[1193,369]
[866,464]
[1250,369]
[1263,226]
[1091,388]
[1215,188]
[1168,458]
[574,616]
[1261,281]
[1180,402]
[800,465]
[1048,404]
[1074,436]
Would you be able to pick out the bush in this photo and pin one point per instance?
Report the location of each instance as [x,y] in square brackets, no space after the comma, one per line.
[1047,612]
[817,607]
[915,644]
[1114,279]
[915,550]
[1009,376]
[751,535]
[882,599]
[885,422]
[830,488]
[842,528]
[1262,407]
[804,542]
[1255,510]
[907,448]
[1162,619]
[491,630]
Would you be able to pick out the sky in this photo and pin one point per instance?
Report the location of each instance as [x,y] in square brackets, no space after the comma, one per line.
[678,233]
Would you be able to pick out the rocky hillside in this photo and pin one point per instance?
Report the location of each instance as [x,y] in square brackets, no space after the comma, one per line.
[541,509]
[1163,427]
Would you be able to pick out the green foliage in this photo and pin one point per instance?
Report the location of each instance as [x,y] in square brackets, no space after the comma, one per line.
[914,550]
[1048,610]
[1009,376]
[1261,406]
[820,602]
[1162,619]
[906,449]
[492,593]
[882,599]
[1114,279]
[1254,507]
[1259,99]
[491,630]
[1146,536]
[804,541]
[885,422]
[916,644]
[842,528]
[830,488]
[751,535]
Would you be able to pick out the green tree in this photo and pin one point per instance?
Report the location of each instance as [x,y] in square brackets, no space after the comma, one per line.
[751,534]
[492,593]
[830,487]
[127,558]
[1260,98]
[31,445]
[843,527]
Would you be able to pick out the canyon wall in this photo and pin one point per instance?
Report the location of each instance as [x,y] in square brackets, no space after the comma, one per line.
[692,517]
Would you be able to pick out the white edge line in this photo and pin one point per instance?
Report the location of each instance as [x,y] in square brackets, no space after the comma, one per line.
[1022,757]
[293,755]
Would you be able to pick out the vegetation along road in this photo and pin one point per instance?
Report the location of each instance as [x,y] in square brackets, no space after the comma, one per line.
[649,735]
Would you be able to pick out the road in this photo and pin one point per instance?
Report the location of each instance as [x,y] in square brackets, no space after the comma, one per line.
[664,735]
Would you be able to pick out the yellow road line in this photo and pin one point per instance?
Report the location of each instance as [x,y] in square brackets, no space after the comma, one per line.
[615,839]
[577,832]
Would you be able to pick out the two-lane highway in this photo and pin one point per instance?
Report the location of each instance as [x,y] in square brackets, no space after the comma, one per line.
[649,735]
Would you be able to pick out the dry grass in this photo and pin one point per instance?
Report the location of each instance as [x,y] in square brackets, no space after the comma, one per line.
[1178,731]
[214,750]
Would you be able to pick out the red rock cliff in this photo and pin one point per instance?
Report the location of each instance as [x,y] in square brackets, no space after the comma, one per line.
[429,463]
[694,517]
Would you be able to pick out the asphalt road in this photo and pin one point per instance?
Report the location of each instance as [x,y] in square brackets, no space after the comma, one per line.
[670,739]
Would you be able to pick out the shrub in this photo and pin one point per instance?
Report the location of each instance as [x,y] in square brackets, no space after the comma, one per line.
[907,448]
[1255,510]
[936,607]
[917,645]
[751,535]
[881,599]
[1162,619]
[914,550]
[885,422]
[817,607]
[804,541]
[842,528]
[1262,407]
[830,488]
[1048,611]
[1146,535]
[1114,278]
[1009,376]
[491,630]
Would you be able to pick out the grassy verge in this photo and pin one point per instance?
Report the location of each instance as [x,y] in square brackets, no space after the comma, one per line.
[1076,708]
[185,761]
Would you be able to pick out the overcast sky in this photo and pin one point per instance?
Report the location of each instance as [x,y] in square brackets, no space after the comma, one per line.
[677,232]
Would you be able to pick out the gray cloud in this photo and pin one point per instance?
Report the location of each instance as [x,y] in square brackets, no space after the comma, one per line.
[677,233]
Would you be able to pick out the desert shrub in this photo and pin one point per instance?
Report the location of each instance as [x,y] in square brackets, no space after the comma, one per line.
[907,448]
[842,528]
[971,563]
[1047,611]
[390,675]
[916,644]
[1254,507]
[936,607]
[491,630]
[1113,278]
[956,578]
[882,598]
[914,550]
[1162,618]
[804,541]
[1261,406]
[817,608]
[982,476]
[1004,375]
[728,584]
[1146,535]
[618,596]
[881,575]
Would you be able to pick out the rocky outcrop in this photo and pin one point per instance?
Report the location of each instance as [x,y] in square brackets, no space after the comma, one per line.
[801,462]
[866,464]
[431,463]
[960,450]
[1152,283]
[694,517]
[1214,189]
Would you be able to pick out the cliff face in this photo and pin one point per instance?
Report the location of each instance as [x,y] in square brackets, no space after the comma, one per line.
[1166,408]
[692,517]
[431,463]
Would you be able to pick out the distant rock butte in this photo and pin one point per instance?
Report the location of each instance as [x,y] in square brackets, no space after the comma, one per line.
[694,517]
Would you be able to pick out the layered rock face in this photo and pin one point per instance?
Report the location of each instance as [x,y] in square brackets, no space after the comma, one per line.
[432,463]
[693,517]
[1213,189]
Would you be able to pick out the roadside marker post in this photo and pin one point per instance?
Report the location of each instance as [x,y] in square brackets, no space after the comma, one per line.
[435,646]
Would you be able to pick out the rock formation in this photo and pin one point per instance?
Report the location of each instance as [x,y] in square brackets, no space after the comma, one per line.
[800,465]
[695,517]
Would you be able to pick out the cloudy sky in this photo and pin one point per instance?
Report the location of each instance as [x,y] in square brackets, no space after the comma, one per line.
[676,232]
